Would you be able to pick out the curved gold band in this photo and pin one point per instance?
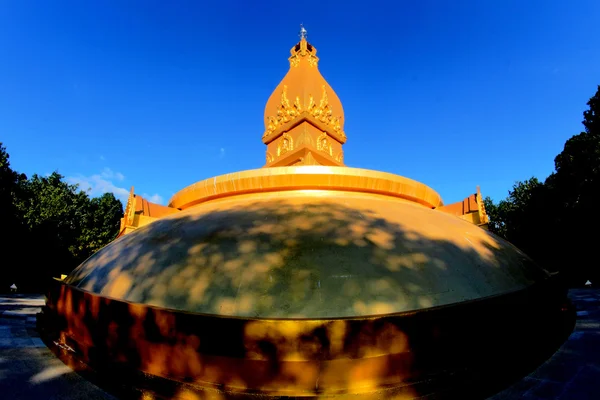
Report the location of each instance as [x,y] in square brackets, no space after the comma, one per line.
[303,178]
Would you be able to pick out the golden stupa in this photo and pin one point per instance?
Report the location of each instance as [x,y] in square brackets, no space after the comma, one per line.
[303,278]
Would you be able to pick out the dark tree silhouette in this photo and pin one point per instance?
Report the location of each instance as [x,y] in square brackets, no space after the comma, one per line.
[50,226]
[555,222]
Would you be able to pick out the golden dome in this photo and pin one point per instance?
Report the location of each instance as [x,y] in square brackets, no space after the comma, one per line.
[306,254]
[304,94]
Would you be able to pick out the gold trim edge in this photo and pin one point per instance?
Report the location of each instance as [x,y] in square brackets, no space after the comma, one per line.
[305,178]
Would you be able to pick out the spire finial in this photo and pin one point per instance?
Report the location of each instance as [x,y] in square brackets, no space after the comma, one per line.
[303,34]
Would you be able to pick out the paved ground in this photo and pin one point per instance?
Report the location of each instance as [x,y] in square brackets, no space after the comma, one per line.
[28,370]
[573,372]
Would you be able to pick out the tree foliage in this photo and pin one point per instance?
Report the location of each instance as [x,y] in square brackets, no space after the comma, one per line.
[509,216]
[100,225]
[9,213]
[555,221]
[51,226]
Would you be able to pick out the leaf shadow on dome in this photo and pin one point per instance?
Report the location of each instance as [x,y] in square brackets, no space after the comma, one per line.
[276,259]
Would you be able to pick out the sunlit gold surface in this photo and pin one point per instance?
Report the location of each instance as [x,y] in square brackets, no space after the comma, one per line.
[140,212]
[303,91]
[304,119]
[305,177]
[306,254]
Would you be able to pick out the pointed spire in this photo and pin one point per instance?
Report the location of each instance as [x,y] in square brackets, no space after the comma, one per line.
[303,33]
[304,118]
[130,208]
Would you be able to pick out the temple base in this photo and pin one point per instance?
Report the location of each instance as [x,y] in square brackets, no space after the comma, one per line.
[467,350]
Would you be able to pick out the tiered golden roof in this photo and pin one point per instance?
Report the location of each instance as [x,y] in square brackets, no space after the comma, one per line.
[304,118]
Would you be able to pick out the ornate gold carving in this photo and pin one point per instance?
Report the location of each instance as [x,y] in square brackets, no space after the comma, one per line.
[285,112]
[304,138]
[270,157]
[324,145]
[324,113]
[130,209]
[286,143]
[483,217]
[310,159]
[340,157]
[303,49]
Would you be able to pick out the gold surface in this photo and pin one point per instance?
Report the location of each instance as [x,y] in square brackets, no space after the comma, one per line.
[482,216]
[140,212]
[306,254]
[305,177]
[303,93]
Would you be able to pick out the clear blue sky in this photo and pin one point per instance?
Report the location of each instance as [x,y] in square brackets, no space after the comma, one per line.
[162,94]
